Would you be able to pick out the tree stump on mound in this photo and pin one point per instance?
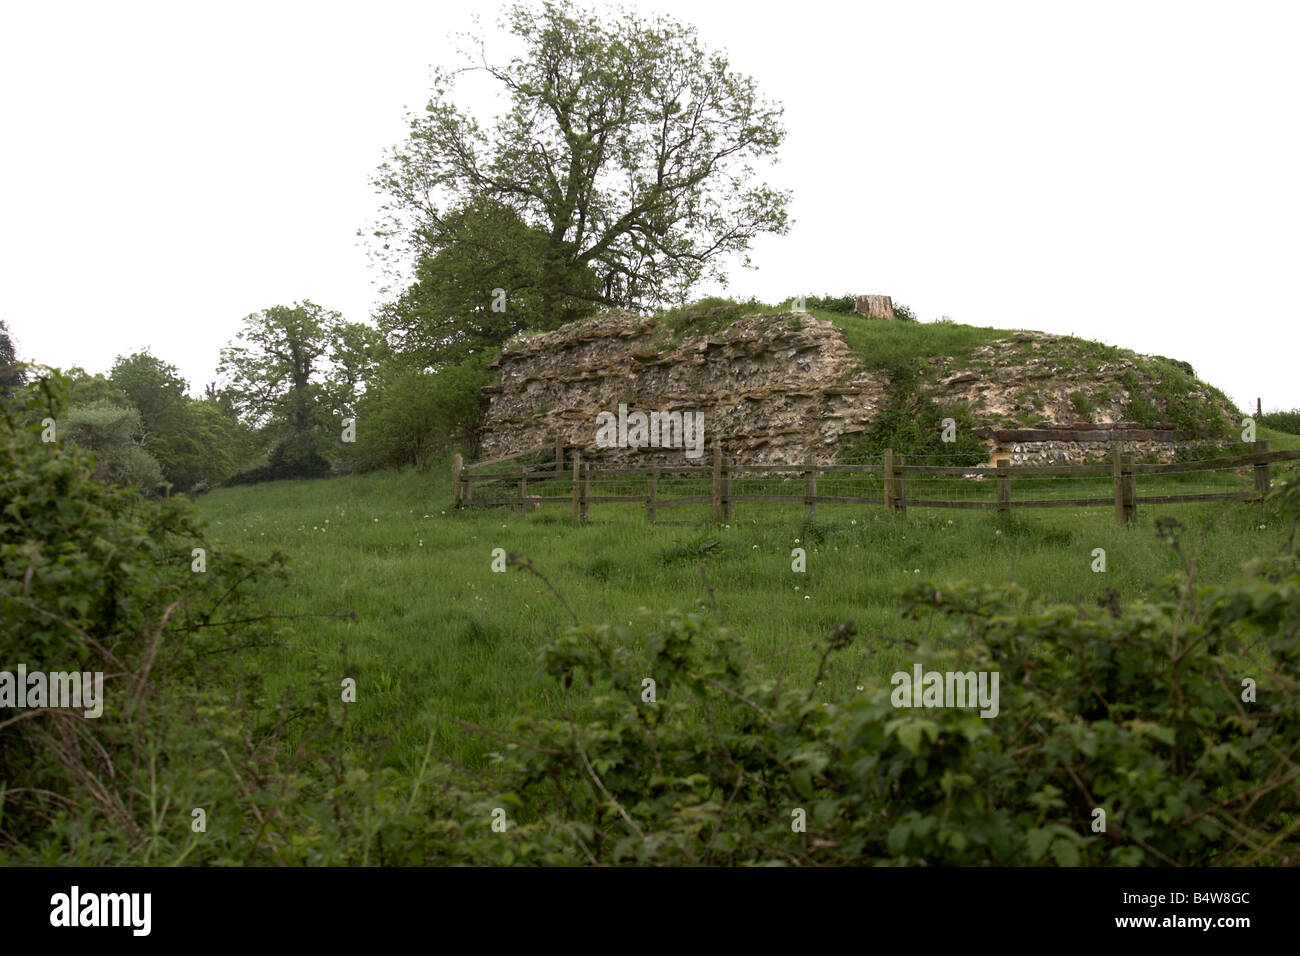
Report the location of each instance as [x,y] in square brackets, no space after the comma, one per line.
[874,306]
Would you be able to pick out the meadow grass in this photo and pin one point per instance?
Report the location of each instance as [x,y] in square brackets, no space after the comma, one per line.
[441,644]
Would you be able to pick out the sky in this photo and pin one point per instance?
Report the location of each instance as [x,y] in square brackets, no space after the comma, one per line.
[1125,172]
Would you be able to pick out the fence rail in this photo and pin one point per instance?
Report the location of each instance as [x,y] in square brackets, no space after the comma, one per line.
[889,480]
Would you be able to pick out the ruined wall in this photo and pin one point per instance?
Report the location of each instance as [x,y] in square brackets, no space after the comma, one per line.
[772,388]
[1080,444]
[785,388]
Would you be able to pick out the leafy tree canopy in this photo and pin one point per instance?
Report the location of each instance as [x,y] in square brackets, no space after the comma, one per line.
[626,154]
[12,375]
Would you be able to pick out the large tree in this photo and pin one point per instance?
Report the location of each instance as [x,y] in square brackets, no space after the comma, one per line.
[193,440]
[293,373]
[476,292]
[626,149]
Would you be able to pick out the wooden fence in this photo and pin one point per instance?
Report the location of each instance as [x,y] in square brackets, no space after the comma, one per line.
[893,471]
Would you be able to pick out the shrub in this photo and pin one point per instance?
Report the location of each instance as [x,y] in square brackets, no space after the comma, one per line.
[842,304]
[1136,710]
[1144,412]
[409,416]
[114,433]
[93,578]
[911,424]
[293,458]
[1288,422]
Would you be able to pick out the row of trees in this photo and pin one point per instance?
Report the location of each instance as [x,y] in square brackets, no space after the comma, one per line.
[295,381]
[620,174]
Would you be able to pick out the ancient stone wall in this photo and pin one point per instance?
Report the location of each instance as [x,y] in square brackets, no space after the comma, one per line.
[773,389]
[1080,444]
[785,388]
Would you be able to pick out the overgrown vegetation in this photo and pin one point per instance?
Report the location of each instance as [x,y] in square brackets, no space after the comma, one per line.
[912,425]
[735,756]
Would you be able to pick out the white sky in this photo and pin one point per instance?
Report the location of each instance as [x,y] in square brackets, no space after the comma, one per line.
[1122,171]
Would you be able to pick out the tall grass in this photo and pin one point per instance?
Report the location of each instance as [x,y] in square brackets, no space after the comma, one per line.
[441,644]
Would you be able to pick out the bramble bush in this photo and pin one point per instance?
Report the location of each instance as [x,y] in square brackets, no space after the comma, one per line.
[1134,709]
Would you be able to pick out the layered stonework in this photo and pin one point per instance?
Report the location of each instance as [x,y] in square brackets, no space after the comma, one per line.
[1080,444]
[772,388]
[786,388]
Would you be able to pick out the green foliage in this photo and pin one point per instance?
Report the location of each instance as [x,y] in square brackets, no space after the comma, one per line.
[12,374]
[693,549]
[1132,709]
[293,373]
[884,345]
[626,150]
[843,305]
[478,285]
[1081,404]
[813,531]
[1176,388]
[911,424]
[1283,421]
[294,457]
[113,434]
[1143,411]
[840,304]
[96,389]
[705,316]
[409,415]
[194,442]
[1179,364]
[94,578]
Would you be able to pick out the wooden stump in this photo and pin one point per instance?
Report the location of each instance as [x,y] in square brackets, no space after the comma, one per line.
[874,306]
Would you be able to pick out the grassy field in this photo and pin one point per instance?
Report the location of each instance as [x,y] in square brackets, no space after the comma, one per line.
[439,641]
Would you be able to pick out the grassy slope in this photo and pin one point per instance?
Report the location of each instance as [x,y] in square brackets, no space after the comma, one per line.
[882,344]
[439,638]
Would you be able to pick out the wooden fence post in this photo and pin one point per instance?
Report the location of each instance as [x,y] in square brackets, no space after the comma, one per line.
[586,491]
[717,481]
[457,463]
[726,489]
[900,490]
[810,486]
[1263,480]
[1125,485]
[1004,489]
[523,492]
[1117,465]
[652,492]
[577,488]
[1130,487]
[889,479]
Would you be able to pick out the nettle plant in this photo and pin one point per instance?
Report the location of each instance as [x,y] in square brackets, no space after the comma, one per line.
[1175,716]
